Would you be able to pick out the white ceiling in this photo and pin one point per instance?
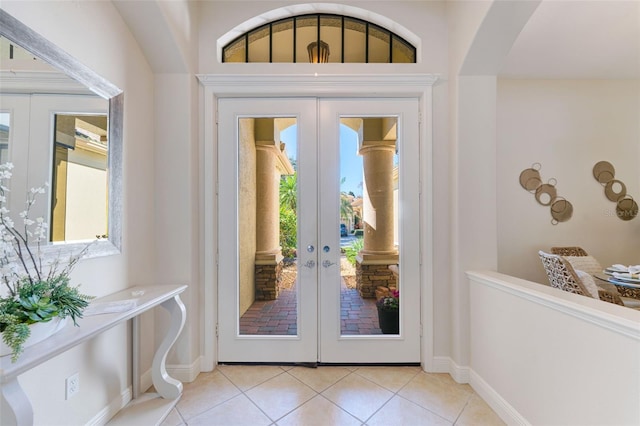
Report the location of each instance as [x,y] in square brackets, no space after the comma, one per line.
[578,40]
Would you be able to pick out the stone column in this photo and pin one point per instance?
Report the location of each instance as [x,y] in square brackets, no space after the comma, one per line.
[271,162]
[377,147]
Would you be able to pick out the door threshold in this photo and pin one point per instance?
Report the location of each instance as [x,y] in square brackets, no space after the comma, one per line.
[328,364]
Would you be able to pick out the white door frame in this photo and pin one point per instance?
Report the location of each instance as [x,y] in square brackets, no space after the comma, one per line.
[352,85]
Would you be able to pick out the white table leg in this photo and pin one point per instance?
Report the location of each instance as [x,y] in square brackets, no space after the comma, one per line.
[166,386]
[20,410]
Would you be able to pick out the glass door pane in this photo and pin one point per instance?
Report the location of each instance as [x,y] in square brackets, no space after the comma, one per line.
[368,211]
[267,232]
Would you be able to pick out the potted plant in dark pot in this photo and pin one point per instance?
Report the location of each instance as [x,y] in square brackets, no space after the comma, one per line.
[389,312]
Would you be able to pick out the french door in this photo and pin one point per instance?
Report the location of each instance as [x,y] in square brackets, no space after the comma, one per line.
[318,218]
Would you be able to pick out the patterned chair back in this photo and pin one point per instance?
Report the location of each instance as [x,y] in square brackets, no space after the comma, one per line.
[561,274]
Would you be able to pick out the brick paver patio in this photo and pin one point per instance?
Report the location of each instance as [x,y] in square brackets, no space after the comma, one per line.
[357,315]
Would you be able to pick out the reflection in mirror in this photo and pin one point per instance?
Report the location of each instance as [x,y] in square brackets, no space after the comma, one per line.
[79,183]
[32,65]
[4,137]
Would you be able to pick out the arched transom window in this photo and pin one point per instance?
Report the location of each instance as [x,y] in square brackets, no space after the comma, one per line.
[319,38]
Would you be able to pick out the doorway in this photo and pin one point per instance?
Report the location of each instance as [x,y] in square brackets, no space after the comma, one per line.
[318,224]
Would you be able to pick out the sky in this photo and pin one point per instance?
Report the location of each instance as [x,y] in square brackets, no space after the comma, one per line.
[350,161]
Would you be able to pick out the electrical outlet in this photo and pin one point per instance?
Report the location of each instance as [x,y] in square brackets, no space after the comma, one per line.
[72,384]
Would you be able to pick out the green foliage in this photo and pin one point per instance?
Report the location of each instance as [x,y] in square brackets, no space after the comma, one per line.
[37,308]
[289,191]
[346,209]
[38,301]
[15,333]
[288,231]
[288,215]
[352,250]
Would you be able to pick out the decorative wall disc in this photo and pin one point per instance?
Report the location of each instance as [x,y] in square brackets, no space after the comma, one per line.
[615,189]
[530,178]
[561,210]
[546,193]
[627,208]
[603,171]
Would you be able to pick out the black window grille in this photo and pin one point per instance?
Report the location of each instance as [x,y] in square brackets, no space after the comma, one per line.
[319,38]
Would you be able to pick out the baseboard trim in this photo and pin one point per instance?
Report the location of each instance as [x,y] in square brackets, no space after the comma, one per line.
[117,404]
[440,364]
[503,409]
[185,373]
[459,373]
[182,373]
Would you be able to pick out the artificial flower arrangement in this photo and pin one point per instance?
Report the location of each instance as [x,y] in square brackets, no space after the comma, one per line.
[34,290]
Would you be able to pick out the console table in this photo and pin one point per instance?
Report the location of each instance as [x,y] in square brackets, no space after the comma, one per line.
[121,306]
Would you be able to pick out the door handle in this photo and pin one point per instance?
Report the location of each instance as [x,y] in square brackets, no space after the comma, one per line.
[310,264]
[327,263]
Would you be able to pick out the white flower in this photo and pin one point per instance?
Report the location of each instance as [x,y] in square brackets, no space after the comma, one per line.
[28,221]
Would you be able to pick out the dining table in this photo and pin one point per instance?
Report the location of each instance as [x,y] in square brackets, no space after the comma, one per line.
[617,281]
[627,285]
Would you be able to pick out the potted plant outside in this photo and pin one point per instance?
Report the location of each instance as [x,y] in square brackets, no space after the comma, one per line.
[389,312]
[33,291]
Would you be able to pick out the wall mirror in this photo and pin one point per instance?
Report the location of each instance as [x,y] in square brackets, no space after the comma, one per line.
[77,116]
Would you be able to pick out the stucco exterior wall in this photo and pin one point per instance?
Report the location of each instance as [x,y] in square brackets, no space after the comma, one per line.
[247,212]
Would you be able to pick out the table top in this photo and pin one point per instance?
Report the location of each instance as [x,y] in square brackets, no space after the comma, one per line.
[613,280]
[145,297]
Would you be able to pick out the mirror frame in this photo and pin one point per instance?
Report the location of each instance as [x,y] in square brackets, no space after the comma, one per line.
[24,36]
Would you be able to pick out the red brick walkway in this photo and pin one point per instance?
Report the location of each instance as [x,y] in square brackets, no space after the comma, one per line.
[357,316]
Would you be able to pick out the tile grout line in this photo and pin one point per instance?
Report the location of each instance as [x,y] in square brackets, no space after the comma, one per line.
[466,404]
[397,393]
[273,422]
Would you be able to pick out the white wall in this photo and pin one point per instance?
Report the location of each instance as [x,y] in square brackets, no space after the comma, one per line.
[480,35]
[567,126]
[542,356]
[94,33]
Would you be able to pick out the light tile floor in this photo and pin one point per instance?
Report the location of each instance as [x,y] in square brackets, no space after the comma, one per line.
[328,396]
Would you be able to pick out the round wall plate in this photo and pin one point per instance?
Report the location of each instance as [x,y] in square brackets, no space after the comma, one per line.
[603,171]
